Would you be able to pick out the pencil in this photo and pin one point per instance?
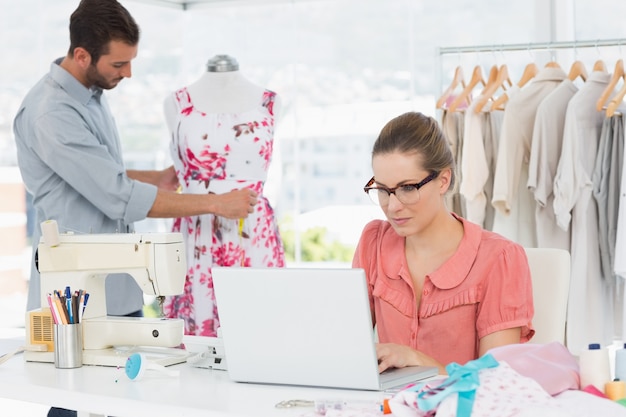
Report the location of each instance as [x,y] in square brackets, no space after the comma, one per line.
[53,309]
[62,312]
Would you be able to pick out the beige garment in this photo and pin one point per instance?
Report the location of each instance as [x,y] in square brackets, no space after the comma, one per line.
[544,158]
[511,196]
[473,167]
[452,127]
[491,134]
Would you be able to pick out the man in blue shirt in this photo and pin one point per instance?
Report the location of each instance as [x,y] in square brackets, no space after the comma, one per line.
[69,150]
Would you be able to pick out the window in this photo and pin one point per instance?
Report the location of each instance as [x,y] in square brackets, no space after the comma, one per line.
[342,69]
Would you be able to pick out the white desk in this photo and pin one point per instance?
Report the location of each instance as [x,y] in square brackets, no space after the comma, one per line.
[196,393]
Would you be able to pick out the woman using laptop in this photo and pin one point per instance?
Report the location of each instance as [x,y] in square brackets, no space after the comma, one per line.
[441,288]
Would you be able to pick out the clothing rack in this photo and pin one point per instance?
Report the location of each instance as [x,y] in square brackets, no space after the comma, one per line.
[550,47]
[533,46]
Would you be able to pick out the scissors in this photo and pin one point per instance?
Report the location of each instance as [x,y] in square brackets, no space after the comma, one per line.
[295,403]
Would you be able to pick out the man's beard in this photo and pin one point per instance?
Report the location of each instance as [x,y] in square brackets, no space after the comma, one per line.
[94,78]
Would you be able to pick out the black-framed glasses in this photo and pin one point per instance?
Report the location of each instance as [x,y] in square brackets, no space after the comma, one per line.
[405,193]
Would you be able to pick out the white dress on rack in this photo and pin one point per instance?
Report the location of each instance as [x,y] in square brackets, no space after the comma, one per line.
[589,313]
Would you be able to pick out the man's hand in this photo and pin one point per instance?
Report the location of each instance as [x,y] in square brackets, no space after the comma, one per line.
[168,179]
[236,204]
[165,179]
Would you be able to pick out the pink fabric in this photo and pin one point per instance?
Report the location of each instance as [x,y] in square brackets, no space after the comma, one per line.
[550,364]
[483,288]
[502,392]
[590,389]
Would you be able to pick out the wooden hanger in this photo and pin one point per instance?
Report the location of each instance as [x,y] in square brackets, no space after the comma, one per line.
[553,64]
[529,73]
[456,80]
[477,77]
[618,98]
[618,73]
[577,70]
[599,66]
[493,76]
[502,78]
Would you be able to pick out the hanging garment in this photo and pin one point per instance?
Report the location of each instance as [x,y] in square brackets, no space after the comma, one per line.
[544,159]
[606,188]
[481,133]
[473,167]
[606,179]
[511,196]
[620,235]
[217,153]
[589,317]
[492,139]
[452,125]
[491,136]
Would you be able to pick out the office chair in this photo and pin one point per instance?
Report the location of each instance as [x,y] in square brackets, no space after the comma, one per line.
[550,274]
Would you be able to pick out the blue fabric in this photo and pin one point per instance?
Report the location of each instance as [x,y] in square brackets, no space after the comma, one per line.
[462,379]
[69,155]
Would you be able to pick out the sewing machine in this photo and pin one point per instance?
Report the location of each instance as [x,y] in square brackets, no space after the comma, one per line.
[157,263]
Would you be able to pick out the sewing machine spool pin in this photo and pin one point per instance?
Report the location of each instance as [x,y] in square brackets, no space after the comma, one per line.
[161,300]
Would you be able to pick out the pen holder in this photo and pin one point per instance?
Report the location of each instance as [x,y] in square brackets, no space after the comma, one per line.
[68,345]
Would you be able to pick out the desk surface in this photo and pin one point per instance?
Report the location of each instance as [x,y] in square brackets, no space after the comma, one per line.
[196,392]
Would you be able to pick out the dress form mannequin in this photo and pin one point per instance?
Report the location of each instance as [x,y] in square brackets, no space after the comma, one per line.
[222,138]
[221,89]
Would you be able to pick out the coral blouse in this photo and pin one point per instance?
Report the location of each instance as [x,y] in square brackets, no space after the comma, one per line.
[483,288]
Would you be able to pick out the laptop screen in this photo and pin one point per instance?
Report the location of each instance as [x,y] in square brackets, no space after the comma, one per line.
[297,326]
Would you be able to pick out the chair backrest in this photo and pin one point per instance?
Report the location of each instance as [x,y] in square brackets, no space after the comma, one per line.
[550,274]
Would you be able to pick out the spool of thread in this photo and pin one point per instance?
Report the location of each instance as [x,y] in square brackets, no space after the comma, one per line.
[615,390]
[137,365]
[50,233]
[620,363]
[595,368]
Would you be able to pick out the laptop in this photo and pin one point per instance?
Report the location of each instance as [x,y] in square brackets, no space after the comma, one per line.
[299,326]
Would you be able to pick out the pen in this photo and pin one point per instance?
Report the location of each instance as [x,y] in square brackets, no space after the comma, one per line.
[79,303]
[75,316]
[82,311]
[68,302]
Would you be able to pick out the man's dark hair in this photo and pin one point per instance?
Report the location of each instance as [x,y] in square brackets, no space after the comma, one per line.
[95,23]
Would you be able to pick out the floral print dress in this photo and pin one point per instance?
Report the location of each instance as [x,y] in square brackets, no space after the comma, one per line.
[216,153]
